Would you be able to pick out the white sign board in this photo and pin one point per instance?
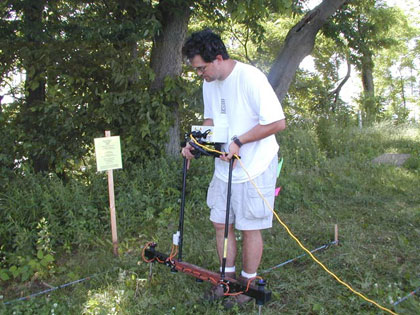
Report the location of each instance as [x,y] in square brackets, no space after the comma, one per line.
[108,153]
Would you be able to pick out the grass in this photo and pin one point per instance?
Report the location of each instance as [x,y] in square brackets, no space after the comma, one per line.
[377,209]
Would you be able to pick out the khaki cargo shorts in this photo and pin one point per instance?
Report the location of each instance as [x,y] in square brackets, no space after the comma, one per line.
[248,211]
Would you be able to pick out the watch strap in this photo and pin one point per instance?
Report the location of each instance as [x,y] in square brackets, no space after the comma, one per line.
[237,141]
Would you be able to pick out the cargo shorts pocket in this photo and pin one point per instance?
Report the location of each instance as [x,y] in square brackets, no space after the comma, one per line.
[213,194]
[255,207]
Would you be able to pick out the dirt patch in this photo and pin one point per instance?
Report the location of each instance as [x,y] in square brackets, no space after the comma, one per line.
[391,158]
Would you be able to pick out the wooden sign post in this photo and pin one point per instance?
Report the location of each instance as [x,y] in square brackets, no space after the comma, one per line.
[112,206]
[108,158]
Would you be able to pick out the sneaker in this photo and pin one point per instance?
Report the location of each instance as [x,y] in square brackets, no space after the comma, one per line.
[240,299]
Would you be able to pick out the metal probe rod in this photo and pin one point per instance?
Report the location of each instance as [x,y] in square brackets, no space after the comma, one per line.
[225,246]
[181,212]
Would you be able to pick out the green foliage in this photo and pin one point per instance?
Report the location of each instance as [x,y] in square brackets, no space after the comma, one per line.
[90,75]
[370,33]
[147,193]
[300,147]
[94,68]
[88,71]
[396,72]
[367,143]
[45,216]
[40,265]
[413,162]
[364,26]
[7,145]
[25,267]
[42,215]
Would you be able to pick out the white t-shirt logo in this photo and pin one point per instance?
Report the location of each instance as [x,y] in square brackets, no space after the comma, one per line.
[223,106]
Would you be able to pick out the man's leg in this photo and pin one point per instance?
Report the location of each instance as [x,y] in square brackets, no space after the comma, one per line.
[217,291]
[220,240]
[252,249]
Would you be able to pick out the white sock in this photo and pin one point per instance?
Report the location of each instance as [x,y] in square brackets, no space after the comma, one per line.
[228,269]
[248,275]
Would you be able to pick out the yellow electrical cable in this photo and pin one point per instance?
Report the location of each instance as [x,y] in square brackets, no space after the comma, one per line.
[293,236]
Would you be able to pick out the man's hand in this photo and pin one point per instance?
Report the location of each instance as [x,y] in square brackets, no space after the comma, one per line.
[186,151]
[233,149]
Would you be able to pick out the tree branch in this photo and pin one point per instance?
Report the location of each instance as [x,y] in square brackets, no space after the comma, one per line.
[243,44]
[298,44]
[337,90]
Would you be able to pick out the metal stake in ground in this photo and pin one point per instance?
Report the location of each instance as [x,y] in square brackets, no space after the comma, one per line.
[225,245]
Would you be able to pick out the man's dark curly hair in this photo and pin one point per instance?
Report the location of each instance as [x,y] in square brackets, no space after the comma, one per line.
[206,44]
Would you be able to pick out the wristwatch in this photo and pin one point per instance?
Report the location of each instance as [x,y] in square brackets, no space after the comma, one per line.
[237,141]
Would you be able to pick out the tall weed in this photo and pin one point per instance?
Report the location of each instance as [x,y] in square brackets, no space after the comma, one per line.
[300,147]
[369,142]
[41,212]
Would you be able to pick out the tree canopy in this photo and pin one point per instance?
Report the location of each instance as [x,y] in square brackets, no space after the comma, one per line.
[90,66]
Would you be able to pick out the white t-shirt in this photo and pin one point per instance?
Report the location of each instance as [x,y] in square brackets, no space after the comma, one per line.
[240,102]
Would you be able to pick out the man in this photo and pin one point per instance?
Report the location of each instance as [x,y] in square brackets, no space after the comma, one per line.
[239,97]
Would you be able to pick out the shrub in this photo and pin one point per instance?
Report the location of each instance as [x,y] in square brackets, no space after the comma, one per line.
[300,147]
[43,215]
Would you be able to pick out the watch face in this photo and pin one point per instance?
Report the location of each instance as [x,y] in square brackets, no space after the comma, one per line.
[238,142]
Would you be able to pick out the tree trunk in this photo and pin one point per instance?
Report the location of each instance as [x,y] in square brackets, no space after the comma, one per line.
[298,44]
[369,102]
[35,84]
[403,90]
[166,58]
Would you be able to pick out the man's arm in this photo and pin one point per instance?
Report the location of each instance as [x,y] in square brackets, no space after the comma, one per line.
[254,134]
[208,122]
[262,131]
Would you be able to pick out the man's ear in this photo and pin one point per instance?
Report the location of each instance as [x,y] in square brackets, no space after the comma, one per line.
[219,58]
